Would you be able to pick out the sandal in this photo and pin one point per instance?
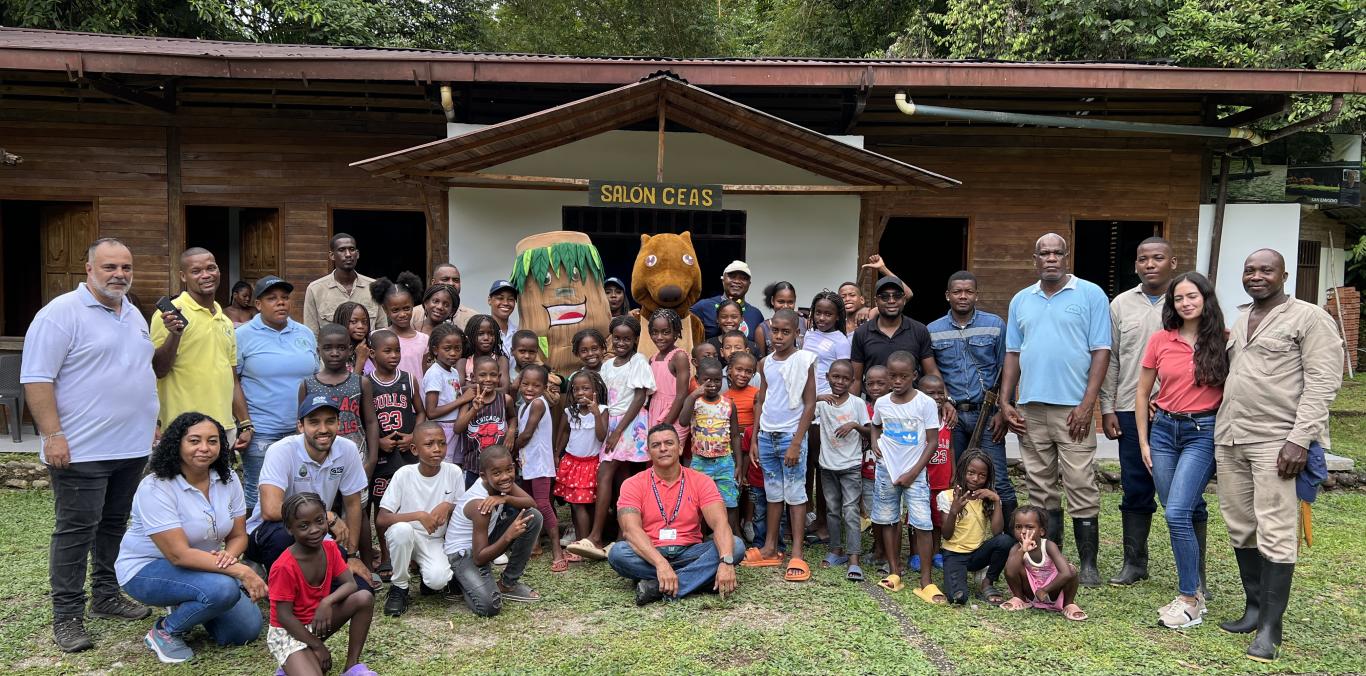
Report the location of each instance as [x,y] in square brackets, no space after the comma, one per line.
[832,559]
[559,565]
[931,595]
[991,595]
[572,557]
[1074,612]
[519,592]
[586,549]
[855,574]
[754,558]
[797,571]
[386,571]
[892,583]
[1015,603]
[813,539]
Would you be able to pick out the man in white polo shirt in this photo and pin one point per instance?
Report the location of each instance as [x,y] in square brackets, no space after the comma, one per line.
[87,375]
[316,460]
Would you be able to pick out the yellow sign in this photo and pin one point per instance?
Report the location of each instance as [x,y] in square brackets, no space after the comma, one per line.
[654,195]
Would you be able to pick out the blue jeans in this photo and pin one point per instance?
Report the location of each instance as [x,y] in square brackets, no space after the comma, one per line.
[1134,477]
[253,457]
[695,565]
[1183,462]
[212,599]
[782,483]
[760,500]
[962,434]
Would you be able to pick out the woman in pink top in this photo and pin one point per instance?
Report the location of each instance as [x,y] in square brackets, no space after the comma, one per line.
[1189,360]
[672,370]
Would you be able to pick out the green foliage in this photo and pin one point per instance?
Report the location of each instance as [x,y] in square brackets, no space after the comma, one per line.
[573,259]
[136,17]
[610,27]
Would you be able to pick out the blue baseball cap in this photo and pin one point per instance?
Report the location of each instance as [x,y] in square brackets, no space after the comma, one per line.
[502,285]
[316,402]
[614,281]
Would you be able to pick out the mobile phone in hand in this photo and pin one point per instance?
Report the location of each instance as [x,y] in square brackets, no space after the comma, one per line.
[167,308]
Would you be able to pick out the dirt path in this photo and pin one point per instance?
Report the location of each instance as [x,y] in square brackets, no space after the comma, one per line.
[912,634]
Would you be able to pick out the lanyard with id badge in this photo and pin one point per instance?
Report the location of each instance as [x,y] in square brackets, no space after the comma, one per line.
[667,534]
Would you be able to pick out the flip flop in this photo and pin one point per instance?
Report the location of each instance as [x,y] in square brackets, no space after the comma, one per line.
[587,550]
[802,574]
[928,594]
[832,559]
[559,566]
[386,571]
[755,559]
[855,574]
[1074,612]
[892,583]
[813,539]
[519,593]
[572,557]
[1014,604]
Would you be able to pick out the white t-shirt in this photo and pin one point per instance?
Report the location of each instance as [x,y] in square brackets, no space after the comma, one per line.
[778,415]
[828,347]
[903,437]
[845,453]
[447,386]
[623,381]
[538,456]
[460,531]
[409,491]
[288,467]
[583,434]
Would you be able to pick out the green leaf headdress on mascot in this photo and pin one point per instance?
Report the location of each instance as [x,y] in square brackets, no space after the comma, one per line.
[559,276]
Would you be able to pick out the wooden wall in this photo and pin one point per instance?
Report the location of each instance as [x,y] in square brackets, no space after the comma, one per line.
[1012,195]
[141,174]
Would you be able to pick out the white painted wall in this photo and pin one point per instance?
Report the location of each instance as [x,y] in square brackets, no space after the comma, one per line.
[811,241]
[1248,227]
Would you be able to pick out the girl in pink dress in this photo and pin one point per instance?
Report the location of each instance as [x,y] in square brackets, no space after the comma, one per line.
[1037,572]
[672,371]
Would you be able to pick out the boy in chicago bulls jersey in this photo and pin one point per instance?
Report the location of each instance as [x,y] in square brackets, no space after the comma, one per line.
[396,405]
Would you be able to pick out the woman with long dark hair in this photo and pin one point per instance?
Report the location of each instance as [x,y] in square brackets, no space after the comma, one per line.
[185,540]
[1189,358]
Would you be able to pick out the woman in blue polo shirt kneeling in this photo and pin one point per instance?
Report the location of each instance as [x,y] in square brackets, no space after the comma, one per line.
[184,541]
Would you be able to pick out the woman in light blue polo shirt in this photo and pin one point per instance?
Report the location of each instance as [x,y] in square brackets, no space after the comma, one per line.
[181,549]
[274,353]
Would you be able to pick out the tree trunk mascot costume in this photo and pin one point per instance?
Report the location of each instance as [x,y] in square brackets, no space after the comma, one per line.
[559,276]
[666,275]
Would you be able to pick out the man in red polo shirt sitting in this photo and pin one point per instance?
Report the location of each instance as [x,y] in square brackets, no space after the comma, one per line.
[661,512]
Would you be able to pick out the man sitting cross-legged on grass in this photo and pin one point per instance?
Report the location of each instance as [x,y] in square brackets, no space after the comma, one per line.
[660,513]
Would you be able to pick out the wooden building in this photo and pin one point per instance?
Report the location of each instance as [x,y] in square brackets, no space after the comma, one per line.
[248,149]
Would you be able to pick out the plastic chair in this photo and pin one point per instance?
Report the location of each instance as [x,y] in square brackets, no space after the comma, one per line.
[12,394]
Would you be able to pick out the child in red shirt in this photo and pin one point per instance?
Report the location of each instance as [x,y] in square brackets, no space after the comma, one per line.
[939,468]
[303,614]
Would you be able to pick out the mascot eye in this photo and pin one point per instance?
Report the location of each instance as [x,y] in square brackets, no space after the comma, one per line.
[651,260]
[687,260]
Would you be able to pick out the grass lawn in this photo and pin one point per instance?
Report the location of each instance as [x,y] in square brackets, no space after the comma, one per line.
[587,623]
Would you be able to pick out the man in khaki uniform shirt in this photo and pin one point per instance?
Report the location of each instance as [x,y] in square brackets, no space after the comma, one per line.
[1285,368]
[447,274]
[1135,315]
[343,284]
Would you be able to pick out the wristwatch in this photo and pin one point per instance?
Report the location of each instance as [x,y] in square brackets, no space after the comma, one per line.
[728,560]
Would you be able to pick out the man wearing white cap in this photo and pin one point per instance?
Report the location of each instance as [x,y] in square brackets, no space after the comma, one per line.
[734,285]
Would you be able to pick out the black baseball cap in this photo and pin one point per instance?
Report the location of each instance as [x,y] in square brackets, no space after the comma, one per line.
[269,282]
[614,281]
[889,280]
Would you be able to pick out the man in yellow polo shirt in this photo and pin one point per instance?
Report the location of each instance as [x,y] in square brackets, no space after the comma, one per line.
[195,358]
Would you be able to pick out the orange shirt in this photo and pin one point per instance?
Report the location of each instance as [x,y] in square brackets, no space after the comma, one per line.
[744,404]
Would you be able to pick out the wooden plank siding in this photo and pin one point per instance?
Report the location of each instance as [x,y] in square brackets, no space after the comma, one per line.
[1011,196]
[123,170]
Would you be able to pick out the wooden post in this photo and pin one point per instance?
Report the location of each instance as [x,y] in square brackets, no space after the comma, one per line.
[659,158]
[175,211]
[1217,228]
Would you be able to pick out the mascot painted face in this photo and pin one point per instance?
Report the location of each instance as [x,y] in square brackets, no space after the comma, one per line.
[666,275]
[558,276]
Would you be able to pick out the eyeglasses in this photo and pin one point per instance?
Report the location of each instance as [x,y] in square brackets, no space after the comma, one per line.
[891,296]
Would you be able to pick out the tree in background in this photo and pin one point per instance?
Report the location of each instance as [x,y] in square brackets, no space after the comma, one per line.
[611,27]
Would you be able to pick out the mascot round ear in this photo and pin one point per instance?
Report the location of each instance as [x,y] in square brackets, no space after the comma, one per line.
[687,237]
[644,238]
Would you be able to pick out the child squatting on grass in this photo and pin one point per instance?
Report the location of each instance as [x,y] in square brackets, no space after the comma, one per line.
[1037,572]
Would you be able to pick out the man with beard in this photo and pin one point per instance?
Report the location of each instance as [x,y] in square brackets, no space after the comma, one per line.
[196,353]
[734,285]
[875,340]
[315,460]
[1285,368]
[87,375]
[343,284]
[1057,352]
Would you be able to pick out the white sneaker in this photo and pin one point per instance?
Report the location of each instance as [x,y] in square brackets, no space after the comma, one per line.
[569,537]
[748,531]
[502,560]
[1179,615]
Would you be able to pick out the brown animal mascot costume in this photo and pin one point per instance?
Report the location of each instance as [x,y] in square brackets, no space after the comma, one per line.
[558,276]
[666,275]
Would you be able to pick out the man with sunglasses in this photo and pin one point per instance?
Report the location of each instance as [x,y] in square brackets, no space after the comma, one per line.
[873,341]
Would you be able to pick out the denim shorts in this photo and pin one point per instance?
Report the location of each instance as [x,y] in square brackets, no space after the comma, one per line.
[889,501]
[782,483]
[722,473]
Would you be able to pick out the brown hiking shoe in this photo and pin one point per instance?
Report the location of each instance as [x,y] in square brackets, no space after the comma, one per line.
[70,635]
[118,607]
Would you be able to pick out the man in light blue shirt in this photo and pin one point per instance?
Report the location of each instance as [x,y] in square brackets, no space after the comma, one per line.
[1057,352]
[87,375]
[970,348]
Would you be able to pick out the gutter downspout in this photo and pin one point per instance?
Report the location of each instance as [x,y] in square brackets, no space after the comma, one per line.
[448,102]
[909,107]
[1334,109]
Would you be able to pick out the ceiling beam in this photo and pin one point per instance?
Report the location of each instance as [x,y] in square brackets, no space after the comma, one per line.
[165,103]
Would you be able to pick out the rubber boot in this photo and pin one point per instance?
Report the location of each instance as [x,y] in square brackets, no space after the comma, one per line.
[1250,570]
[1266,647]
[1087,532]
[1200,530]
[1056,532]
[1008,510]
[1135,568]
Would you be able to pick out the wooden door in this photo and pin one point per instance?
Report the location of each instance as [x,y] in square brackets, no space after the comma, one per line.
[260,230]
[66,231]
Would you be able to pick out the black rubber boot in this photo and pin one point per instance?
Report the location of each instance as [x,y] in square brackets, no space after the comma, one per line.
[1266,647]
[1056,532]
[1007,510]
[1200,530]
[1250,570]
[1135,568]
[1087,532]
